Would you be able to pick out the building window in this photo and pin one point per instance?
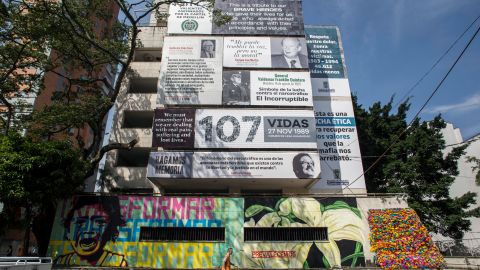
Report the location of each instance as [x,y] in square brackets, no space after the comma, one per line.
[137,119]
[143,86]
[147,56]
[284,234]
[136,157]
[190,234]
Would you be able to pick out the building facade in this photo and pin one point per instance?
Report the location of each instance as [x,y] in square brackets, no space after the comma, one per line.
[247,140]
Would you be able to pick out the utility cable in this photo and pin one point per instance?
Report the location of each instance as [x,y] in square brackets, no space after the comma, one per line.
[436,63]
[418,113]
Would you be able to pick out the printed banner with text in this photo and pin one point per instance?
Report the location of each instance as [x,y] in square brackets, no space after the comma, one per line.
[229,128]
[340,157]
[185,18]
[265,52]
[278,165]
[191,70]
[266,88]
[325,52]
[248,17]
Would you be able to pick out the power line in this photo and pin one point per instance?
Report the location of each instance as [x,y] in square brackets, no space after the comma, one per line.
[436,63]
[418,113]
[433,66]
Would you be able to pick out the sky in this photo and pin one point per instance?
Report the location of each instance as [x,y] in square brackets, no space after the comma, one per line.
[390,44]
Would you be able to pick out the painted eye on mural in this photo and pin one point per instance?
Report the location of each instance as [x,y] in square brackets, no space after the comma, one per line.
[80,221]
[100,222]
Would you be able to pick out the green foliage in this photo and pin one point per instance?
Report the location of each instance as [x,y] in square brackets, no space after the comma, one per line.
[476,167]
[75,42]
[415,165]
[32,173]
[22,59]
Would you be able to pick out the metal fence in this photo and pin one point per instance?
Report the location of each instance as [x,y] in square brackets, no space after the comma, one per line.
[25,263]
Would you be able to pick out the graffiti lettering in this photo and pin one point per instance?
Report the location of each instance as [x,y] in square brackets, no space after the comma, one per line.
[167,208]
[273,254]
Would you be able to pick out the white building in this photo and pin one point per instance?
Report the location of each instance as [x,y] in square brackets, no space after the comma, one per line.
[465,181]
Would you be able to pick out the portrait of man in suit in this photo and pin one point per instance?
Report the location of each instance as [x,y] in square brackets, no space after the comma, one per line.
[291,56]
[208,49]
[304,166]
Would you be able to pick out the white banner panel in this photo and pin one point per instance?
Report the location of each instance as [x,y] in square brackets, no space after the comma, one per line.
[215,128]
[238,165]
[247,52]
[340,157]
[189,19]
[325,87]
[265,52]
[281,88]
[191,71]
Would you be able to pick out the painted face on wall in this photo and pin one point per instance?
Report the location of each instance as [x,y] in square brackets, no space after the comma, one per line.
[87,229]
[291,47]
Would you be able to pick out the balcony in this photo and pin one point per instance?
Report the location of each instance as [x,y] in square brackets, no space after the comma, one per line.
[146,69]
[151,36]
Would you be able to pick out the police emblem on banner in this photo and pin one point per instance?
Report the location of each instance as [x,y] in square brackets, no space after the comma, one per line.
[189,26]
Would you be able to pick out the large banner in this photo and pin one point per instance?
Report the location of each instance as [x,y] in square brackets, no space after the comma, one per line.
[191,70]
[248,17]
[266,88]
[265,52]
[189,19]
[238,165]
[326,61]
[325,52]
[261,17]
[228,128]
[339,149]
[326,87]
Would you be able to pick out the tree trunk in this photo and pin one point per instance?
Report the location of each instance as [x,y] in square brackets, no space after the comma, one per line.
[26,239]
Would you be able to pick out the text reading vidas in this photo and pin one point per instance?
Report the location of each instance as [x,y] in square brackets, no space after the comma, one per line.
[278,122]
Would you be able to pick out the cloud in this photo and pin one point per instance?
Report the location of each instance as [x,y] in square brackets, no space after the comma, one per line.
[469,104]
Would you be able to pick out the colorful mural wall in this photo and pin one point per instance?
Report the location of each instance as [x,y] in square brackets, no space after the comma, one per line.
[346,232]
[401,241]
[104,231]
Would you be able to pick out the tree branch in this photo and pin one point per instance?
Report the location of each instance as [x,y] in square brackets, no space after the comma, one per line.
[113,146]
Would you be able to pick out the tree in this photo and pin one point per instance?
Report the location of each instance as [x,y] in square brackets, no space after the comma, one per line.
[475,167]
[63,38]
[34,174]
[22,60]
[415,165]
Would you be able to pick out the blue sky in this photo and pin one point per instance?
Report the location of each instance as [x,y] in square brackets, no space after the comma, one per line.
[390,44]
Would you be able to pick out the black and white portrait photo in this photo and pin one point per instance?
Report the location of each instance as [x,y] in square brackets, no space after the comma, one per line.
[236,88]
[304,166]
[208,48]
[289,52]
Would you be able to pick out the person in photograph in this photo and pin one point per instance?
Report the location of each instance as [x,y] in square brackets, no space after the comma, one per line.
[291,56]
[234,91]
[208,49]
[304,166]
[89,225]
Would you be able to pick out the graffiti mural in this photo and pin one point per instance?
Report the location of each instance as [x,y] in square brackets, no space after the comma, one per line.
[105,231]
[347,232]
